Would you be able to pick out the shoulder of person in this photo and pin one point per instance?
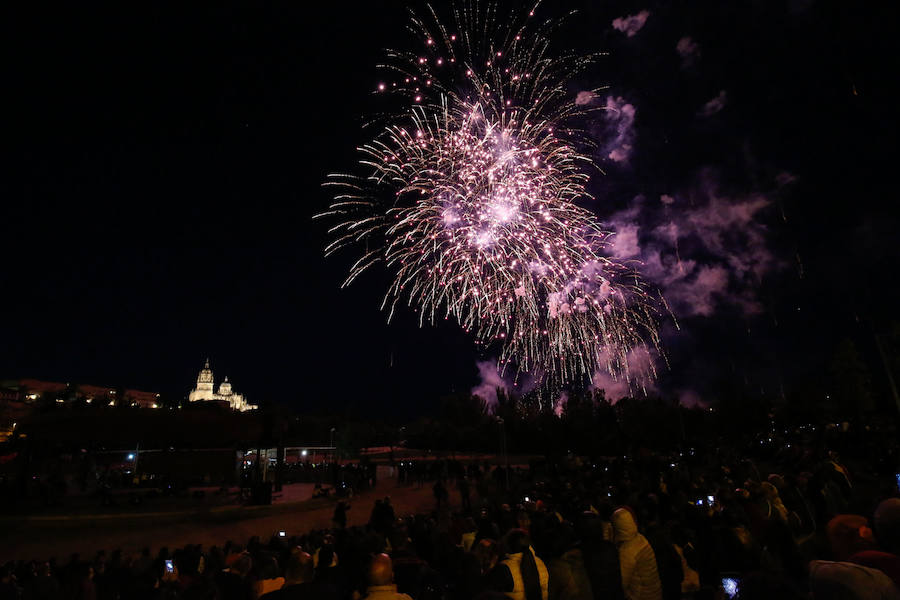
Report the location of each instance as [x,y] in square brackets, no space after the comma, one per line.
[499,578]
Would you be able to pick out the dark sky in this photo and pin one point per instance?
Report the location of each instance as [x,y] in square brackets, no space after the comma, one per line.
[164,164]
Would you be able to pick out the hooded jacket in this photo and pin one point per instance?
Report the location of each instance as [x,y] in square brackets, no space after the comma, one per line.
[513,565]
[637,562]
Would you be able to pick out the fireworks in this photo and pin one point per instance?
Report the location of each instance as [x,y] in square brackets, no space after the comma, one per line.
[469,199]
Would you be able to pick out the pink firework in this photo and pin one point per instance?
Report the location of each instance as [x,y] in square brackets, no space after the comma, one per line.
[470,197]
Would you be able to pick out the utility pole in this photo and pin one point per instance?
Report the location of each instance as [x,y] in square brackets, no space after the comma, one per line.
[331,443]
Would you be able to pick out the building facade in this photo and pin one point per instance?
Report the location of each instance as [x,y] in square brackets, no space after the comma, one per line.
[33,390]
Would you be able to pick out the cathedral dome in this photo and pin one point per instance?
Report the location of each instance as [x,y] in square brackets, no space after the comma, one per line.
[225,388]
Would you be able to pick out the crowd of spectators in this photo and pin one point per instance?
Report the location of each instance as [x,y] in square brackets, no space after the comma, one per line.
[357,476]
[782,517]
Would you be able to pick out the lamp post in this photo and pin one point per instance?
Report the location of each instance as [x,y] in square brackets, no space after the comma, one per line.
[137,455]
[331,443]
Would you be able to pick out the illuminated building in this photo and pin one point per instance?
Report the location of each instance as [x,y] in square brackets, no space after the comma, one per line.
[204,391]
[31,390]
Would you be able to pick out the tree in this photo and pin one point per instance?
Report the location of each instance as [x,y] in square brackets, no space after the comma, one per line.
[852,380]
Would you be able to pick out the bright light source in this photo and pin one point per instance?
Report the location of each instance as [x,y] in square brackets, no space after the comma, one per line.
[131,456]
[303,452]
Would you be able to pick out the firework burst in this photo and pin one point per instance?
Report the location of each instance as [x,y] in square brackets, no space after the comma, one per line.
[470,195]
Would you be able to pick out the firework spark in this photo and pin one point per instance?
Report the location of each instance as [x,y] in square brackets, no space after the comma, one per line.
[470,195]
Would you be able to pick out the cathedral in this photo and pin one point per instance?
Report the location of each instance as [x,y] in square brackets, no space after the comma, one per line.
[204,391]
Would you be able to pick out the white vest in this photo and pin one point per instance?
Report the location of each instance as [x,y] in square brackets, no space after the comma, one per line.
[513,563]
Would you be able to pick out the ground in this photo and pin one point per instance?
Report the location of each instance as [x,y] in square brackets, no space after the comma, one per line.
[61,534]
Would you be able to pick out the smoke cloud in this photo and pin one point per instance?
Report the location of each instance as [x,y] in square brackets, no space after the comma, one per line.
[707,252]
[631,24]
[691,399]
[560,405]
[584,97]
[638,377]
[688,50]
[715,105]
[492,380]
[617,135]
[704,250]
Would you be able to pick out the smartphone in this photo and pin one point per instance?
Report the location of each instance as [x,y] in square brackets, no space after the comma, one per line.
[527,499]
[711,500]
[282,533]
[170,566]
[731,586]
[699,502]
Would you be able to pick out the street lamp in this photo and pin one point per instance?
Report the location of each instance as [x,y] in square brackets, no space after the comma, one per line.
[332,444]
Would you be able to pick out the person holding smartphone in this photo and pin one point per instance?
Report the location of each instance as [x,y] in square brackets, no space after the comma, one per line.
[169,576]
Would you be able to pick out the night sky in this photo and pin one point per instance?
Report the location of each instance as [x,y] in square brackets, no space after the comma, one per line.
[164,164]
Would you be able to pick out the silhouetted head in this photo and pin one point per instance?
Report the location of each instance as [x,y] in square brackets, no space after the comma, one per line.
[887,525]
[849,534]
[516,541]
[299,568]
[381,570]
[486,553]
[242,565]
